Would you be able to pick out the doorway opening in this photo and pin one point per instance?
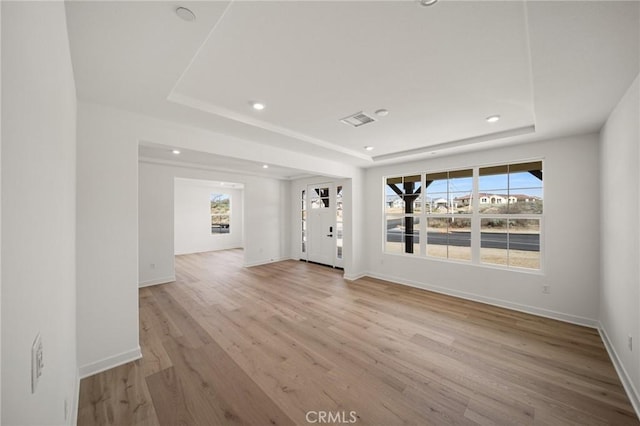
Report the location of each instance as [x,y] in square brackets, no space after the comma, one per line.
[323,224]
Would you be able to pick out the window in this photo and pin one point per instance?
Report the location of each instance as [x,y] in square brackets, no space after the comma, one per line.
[304,220]
[339,222]
[497,207]
[510,226]
[220,213]
[449,208]
[402,214]
[320,199]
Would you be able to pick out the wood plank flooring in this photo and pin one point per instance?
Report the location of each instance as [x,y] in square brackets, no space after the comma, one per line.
[267,345]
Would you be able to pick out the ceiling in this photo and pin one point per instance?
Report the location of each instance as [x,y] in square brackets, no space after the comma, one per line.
[547,68]
[162,154]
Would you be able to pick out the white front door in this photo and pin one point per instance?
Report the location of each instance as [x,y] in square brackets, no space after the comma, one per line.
[322,233]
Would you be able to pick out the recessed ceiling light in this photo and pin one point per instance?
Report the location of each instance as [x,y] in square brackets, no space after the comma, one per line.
[368,148]
[493,118]
[265,166]
[259,106]
[428,2]
[175,151]
[185,14]
[382,112]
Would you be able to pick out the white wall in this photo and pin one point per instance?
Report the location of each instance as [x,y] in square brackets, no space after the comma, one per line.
[620,236]
[266,222]
[355,219]
[192,213]
[107,242]
[38,213]
[155,224]
[571,247]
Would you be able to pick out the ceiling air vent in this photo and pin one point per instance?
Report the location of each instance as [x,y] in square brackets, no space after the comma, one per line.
[358,119]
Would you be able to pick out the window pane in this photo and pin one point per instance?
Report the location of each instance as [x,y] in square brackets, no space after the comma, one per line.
[220,203]
[219,224]
[411,184]
[494,238]
[436,183]
[304,241]
[460,238]
[220,213]
[449,238]
[493,178]
[493,188]
[339,239]
[412,235]
[496,202]
[394,242]
[320,198]
[524,243]
[304,220]
[437,237]
[462,202]
[402,194]
[461,181]
[394,204]
[525,201]
[417,205]
[460,190]
[403,235]
[525,175]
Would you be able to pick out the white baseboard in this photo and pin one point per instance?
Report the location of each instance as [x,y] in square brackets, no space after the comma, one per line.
[573,319]
[157,281]
[353,277]
[265,261]
[109,362]
[631,390]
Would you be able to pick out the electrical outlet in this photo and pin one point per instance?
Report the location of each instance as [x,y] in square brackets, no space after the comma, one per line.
[630,342]
[37,362]
[546,289]
[152,265]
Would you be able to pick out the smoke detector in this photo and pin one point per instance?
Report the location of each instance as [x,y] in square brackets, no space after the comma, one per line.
[358,119]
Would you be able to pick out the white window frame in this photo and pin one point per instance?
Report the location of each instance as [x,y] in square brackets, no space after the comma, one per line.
[476,218]
[216,214]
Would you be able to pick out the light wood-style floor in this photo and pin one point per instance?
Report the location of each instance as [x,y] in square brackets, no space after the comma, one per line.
[266,345]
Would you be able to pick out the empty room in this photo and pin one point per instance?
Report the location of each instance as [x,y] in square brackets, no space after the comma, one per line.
[292,212]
